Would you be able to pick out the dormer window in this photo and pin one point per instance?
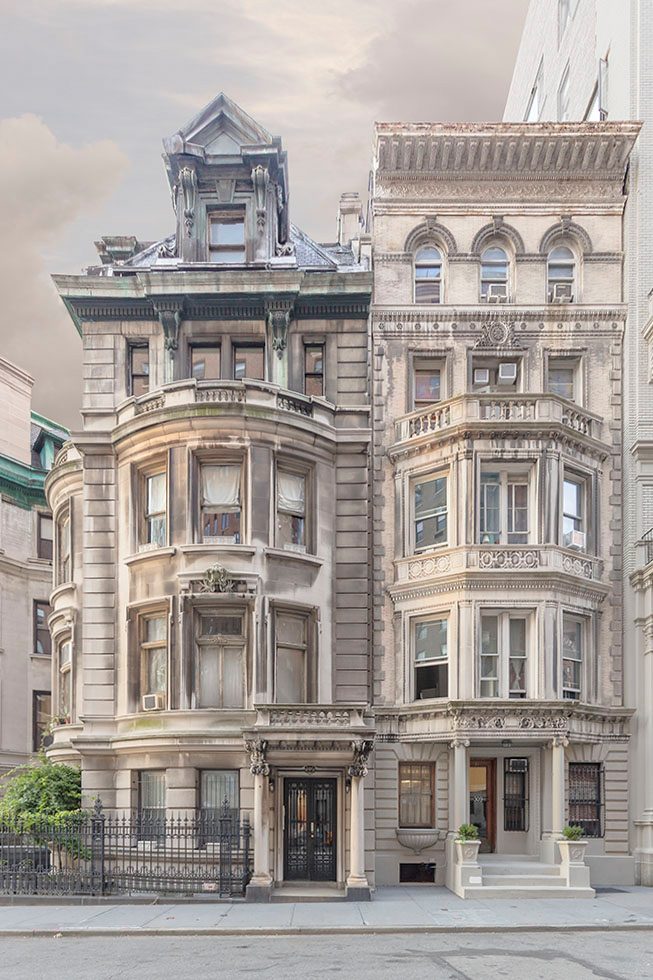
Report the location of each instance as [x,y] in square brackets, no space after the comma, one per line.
[226,238]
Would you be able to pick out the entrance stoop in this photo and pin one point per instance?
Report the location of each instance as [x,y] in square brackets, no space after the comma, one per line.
[308,892]
[522,876]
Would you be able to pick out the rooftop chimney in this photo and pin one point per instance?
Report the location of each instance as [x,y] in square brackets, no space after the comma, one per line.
[350,217]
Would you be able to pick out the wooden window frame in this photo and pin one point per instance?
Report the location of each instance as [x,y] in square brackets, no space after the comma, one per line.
[504,654]
[40,539]
[63,557]
[64,673]
[566,691]
[423,364]
[315,374]
[37,744]
[201,460]
[510,475]
[418,479]
[237,345]
[309,647]
[195,345]
[145,645]
[235,216]
[434,661]
[295,469]
[222,641]
[132,346]
[428,264]
[35,627]
[405,765]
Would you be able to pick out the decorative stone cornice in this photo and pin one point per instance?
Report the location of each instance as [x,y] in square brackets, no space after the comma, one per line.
[517,151]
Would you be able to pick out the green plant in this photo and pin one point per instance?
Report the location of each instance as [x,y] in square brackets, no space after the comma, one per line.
[467,831]
[41,789]
[572,832]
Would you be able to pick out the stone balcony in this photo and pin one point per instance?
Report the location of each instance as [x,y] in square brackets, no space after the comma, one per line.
[484,412]
[544,560]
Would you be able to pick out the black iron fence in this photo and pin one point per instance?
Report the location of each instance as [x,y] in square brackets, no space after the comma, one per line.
[93,853]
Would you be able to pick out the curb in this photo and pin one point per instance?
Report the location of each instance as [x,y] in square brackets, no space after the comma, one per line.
[96,932]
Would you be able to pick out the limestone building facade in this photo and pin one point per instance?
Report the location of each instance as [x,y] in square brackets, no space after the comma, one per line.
[497,331]
[592,60]
[28,443]
[210,623]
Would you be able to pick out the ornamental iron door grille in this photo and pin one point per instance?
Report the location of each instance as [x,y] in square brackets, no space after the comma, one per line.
[90,853]
[310,829]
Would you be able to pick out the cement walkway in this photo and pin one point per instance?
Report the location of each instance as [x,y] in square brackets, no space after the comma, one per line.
[393,910]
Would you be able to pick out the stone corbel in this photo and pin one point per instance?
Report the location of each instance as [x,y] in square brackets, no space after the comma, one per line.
[278,322]
[260,180]
[361,750]
[169,313]
[256,748]
[188,185]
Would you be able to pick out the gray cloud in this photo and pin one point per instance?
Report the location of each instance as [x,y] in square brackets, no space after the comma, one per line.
[317,74]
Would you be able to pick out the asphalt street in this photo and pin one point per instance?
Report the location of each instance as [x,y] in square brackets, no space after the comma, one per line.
[535,956]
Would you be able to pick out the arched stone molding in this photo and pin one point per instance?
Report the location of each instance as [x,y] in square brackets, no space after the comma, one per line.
[496,230]
[431,231]
[562,232]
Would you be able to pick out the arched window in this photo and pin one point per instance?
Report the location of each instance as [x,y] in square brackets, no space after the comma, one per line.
[560,275]
[428,275]
[494,275]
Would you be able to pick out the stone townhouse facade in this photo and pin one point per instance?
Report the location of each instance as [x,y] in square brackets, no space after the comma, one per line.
[592,60]
[497,330]
[210,623]
[28,443]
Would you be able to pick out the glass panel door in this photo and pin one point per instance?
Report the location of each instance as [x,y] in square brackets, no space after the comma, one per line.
[310,830]
[482,782]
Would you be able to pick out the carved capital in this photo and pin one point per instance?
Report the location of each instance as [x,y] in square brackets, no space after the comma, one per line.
[560,741]
[256,748]
[361,750]
[459,743]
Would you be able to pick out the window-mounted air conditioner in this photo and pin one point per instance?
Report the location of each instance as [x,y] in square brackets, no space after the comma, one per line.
[508,373]
[497,292]
[562,292]
[575,539]
[481,376]
[153,702]
[517,765]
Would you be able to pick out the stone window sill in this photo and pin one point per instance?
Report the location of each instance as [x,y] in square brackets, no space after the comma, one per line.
[153,555]
[300,556]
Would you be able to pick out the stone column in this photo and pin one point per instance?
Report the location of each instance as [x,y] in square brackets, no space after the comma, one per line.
[549,852]
[644,825]
[460,810]
[260,887]
[358,888]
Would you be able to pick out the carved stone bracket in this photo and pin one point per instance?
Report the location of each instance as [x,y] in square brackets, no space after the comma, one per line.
[260,180]
[170,317]
[361,751]
[257,764]
[278,322]
[188,185]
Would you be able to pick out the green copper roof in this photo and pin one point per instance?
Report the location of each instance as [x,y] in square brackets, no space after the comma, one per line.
[22,483]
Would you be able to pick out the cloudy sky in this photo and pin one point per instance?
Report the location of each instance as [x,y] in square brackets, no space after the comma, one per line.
[90,87]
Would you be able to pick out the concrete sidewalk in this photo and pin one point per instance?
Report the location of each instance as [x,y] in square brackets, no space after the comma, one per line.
[393,910]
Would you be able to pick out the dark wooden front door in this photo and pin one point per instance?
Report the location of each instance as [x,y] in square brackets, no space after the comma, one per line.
[482,801]
[309,842]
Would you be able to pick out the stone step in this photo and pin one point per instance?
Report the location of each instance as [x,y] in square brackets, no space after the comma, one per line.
[551,870]
[308,894]
[517,880]
[526,891]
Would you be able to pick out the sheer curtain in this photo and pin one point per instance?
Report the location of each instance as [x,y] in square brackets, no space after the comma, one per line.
[220,486]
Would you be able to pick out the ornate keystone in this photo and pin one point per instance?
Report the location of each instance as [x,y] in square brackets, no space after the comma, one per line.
[216,579]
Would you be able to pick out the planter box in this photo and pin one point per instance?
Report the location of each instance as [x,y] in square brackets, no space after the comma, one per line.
[572,863]
[467,851]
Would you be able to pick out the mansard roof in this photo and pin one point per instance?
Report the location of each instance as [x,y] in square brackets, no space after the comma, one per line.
[491,150]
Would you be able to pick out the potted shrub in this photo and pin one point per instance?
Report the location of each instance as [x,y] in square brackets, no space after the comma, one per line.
[572,846]
[467,844]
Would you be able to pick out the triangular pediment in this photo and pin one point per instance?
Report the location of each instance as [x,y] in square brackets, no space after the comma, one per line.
[222,128]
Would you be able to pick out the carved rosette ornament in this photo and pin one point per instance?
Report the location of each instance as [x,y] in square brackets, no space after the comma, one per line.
[188,186]
[361,750]
[256,749]
[497,334]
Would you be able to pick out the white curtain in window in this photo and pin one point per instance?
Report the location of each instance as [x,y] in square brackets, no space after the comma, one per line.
[220,486]
[156,494]
[290,492]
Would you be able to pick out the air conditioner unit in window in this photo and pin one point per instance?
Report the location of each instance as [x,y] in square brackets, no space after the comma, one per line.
[562,292]
[575,539]
[497,292]
[507,373]
[517,765]
[153,702]
[481,376]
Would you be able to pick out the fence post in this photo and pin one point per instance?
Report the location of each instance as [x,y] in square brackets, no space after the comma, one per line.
[246,837]
[97,848]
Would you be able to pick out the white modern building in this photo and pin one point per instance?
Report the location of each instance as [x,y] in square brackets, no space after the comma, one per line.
[592,60]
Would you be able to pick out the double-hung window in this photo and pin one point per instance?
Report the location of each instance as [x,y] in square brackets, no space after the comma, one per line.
[42,639]
[154,514]
[416,794]
[249,361]
[205,362]
[429,512]
[219,798]
[151,804]
[220,660]
[226,239]
[573,513]
[294,673]
[428,275]
[220,503]
[586,797]
[561,275]
[314,369]
[503,512]
[427,382]
[291,510]
[41,716]
[562,378]
[494,275]
[503,655]
[139,369]
[44,536]
[572,656]
[430,645]
[65,680]
[64,554]
[153,652]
